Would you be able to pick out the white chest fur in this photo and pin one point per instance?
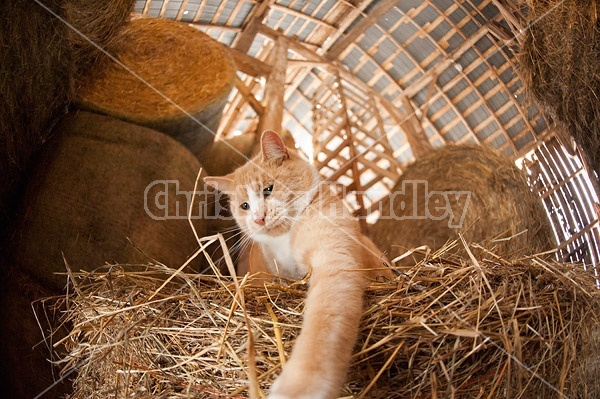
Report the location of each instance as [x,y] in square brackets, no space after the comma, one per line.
[278,252]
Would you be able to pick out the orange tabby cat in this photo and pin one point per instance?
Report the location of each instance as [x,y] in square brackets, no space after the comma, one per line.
[299,226]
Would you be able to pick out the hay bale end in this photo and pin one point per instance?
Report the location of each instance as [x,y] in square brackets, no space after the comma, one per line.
[467,190]
[169,77]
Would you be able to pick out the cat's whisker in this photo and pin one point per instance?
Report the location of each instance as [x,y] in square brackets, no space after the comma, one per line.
[238,233]
[237,249]
[226,232]
[242,234]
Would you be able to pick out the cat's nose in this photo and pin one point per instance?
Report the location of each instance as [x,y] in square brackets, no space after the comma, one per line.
[260,221]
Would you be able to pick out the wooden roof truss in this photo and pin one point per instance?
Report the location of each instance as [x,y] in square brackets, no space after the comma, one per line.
[360,84]
[350,144]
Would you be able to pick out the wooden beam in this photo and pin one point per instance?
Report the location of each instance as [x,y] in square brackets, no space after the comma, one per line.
[415,135]
[420,146]
[275,88]
[432,73]
[235,110]
[249,65]
[360,212]
[202,26]
[310,55]
[234,14]
[346,21]
[430,91]
[377,169]
[182,8]
[333,153]
[340,171]
[248,96]
[377,12]
[252,27]
[319,146]
[301,15]
[146,7]
[306,64]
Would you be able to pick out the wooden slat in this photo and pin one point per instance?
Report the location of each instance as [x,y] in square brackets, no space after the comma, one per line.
[333,153]
[249,65]
[275,88]
[451,58]
[376,168]
[146,7]
[415,134]
[246,92]
[236,109]
[377,12]
[298,14]
[218,12]
[340,171]
[181,10]
[252,26]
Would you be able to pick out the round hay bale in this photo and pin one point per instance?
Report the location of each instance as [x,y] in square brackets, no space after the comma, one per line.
[102,188]
[559,61]
[177,80]
[38,64]
[449,327]
[470,190]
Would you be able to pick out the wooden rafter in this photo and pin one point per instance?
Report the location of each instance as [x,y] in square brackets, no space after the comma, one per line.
[323,41]
[415,134]
[377,12]
[275,88]
[350,142]
[252,26]
[249,65]
[248,96]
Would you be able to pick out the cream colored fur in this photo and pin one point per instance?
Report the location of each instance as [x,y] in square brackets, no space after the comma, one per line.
[302,227]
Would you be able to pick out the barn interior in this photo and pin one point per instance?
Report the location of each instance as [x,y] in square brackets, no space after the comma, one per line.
[110,109]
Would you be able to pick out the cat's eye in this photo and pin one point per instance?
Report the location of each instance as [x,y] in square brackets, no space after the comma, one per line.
[245,206]
[268,190]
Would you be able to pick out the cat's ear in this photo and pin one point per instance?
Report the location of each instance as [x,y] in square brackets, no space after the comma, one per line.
[272,147]
[223,184]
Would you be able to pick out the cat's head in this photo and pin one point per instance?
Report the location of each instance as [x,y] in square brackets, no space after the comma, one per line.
[269,193]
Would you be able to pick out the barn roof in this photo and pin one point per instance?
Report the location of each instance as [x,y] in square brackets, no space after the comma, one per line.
[447,65]
[366,87]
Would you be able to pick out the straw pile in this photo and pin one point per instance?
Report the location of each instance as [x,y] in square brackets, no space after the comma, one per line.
[106,191]
[447,327]
[501,209]
[560,67]
[173,78]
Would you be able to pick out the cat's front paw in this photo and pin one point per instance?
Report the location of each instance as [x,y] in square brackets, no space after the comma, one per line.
[298,386]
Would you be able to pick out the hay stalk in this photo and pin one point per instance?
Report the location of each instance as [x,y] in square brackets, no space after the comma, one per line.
[479,326]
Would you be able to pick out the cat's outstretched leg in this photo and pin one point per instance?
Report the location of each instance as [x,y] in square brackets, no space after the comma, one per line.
[319,362]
